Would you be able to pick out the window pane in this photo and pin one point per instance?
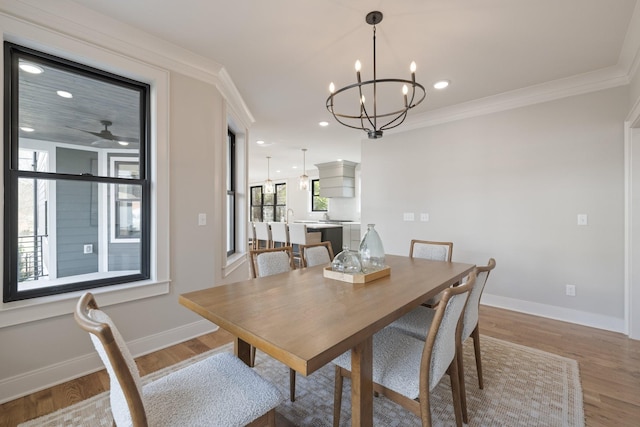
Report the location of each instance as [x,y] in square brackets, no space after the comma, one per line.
[281,194]
[94,114]
[269,199]
[256,214]
[63,234]
[268,214]
[256,196]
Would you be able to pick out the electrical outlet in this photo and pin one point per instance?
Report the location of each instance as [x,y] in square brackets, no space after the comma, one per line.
[571,290]
[202,219]
[88,249]
[424,217]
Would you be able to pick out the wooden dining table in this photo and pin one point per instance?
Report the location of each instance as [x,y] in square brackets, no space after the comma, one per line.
[305,320]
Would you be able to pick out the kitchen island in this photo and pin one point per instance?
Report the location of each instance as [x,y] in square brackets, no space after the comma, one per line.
[329,233]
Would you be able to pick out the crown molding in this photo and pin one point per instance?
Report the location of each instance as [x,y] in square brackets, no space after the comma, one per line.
[605,78]
[70,19]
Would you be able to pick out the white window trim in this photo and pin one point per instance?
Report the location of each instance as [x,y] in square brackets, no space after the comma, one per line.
[45,40]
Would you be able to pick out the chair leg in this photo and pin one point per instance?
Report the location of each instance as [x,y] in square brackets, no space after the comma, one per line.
[337,398]
[292,385]
[455,391]
[476,346]
[252,359]
[463,391]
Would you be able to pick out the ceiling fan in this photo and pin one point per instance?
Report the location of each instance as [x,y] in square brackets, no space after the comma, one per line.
[106,137]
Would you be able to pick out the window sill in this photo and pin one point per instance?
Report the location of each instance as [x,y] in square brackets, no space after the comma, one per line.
[25,311]
[233,262]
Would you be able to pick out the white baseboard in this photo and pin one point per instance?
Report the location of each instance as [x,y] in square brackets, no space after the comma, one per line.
[48,376]
[557,313]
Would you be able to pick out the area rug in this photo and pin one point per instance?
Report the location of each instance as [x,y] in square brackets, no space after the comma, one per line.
[522,387]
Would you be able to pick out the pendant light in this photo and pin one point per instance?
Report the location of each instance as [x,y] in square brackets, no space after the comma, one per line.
[304,179]
[268,184]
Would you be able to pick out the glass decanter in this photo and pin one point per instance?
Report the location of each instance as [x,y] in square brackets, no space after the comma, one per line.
[346,261]
[371,251]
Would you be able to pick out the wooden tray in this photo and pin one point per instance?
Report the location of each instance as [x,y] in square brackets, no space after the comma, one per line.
[356,278]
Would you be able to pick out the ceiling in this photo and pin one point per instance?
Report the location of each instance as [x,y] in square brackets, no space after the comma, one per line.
[282,55]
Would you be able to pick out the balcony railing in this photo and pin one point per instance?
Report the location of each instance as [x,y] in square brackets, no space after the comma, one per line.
[30,259]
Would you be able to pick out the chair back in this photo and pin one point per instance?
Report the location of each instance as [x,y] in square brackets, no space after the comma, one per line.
[279,233]
[316,254]
[252,234]
[444,333]
[298,234]
[125,387]
[270,261]
[471,312]
[263,233]
[436,251]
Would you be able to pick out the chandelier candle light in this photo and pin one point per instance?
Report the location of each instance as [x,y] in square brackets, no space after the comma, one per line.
[367,120]
[304,179]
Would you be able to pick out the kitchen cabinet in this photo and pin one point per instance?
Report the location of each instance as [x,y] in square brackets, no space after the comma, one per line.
[351,235]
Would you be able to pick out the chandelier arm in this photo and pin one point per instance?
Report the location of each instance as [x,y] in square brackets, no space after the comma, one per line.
[338,115]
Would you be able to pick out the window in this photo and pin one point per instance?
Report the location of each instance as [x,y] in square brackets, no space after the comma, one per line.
[77,186]
[231,193]
[269,207]
[318,204]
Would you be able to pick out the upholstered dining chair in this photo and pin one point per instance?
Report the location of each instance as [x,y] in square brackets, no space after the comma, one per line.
[263,234]
[316,254]
[270,261]
[279,234]
[406,368]
[426,249]
[298,235]
[267,262]
[435,251]
[219,390]
[417,323]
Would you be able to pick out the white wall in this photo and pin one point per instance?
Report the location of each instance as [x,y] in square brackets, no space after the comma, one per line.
[39,353]
[509,185]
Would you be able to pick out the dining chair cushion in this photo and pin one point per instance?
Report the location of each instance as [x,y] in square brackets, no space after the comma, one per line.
[432,252]
[119,407]
[396,361]
[217,391]
[416,322]
[471,311]
[316,255]
[270,263]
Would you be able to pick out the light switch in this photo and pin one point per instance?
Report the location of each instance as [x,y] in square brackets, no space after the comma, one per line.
[202,219]
[408,216]
[424,217]
[582,219]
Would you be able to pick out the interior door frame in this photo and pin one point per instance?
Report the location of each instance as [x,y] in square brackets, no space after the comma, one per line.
[632,223]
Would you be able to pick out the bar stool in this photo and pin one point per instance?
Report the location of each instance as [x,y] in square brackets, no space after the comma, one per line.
[279,234]
[263,234]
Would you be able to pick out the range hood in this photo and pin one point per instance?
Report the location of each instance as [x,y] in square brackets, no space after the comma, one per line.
[337,179]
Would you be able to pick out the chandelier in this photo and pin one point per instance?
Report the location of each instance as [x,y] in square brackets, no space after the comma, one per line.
[369,119]
[304,179]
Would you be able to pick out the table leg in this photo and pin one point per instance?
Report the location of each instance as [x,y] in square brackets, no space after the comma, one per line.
[242,349]
[362,383]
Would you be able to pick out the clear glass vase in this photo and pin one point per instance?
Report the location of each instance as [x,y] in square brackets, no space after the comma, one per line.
[347,261]
[371,251]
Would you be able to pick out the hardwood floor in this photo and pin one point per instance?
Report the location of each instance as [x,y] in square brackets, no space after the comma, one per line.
[609,368]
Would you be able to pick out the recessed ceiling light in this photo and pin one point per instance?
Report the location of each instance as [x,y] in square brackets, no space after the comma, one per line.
[124,143]
[64,94]
[441,84]
[323,124]
[26,129]
[30,68]
[260,142]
